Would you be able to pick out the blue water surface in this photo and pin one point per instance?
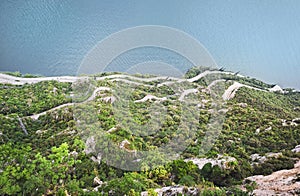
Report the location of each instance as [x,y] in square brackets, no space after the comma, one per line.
[51,37]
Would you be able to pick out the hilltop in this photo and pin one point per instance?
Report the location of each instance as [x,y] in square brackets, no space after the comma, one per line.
[46,122]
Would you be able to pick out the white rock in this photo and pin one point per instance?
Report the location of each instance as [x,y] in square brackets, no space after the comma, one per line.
[296,120]
[150,97]
[242,105]
[204,101]
[257,131]
[221,161]
[284,123]
[90,145]
[268,129]
[123,143]
[297,108]
[110,99]
[174,190]
[276,88]
[258,158]
[97,181]
[97,159]
[296,149]
[273,155]
[74,153]
[72,132]
[112,130]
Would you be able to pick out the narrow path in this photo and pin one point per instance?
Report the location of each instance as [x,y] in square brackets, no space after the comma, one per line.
[92,97]
[130,82]
[228,94]
[214,83]
[8,79]
[22,126]
[207,72]
[36,116]
[137,78]
[187,92]
[231,90]
[181,97]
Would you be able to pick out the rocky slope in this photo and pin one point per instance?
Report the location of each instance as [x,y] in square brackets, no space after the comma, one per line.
[283,182]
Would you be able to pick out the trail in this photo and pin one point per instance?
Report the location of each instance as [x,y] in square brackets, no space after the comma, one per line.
[207,72]
[187,92]
[150,97]
[130,82]
[137,78]
[231,90]
[22,126]
[214,83]
[36,116]
[181,97]
[8,79]
[92,97]
[199,76]
[228,94]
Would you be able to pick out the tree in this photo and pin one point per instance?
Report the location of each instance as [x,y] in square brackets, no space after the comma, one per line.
[186,172]
[128,183]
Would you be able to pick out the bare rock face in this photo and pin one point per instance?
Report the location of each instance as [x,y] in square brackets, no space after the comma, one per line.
[90,145]
[297,108]
[283,182]
[110,99]
[296,120]
[40,131]
[259,159]
[296,149]
[256,158]
[243,105]
[222,161]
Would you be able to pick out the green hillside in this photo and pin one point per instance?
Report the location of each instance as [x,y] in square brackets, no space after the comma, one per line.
[51,159]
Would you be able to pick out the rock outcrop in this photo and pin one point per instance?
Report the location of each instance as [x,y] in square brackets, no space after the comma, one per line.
[283,182]
[174,191]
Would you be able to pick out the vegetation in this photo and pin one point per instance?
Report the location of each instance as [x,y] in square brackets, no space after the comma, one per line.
[31,99]
[51,159]
[18,74]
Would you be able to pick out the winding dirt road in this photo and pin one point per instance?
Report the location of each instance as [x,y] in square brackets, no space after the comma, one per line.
[231,90]
[228,94]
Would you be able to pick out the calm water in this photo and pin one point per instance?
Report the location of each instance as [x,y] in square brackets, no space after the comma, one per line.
[51,37]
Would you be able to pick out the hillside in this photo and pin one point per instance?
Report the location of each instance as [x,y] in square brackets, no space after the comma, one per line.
[211,133]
